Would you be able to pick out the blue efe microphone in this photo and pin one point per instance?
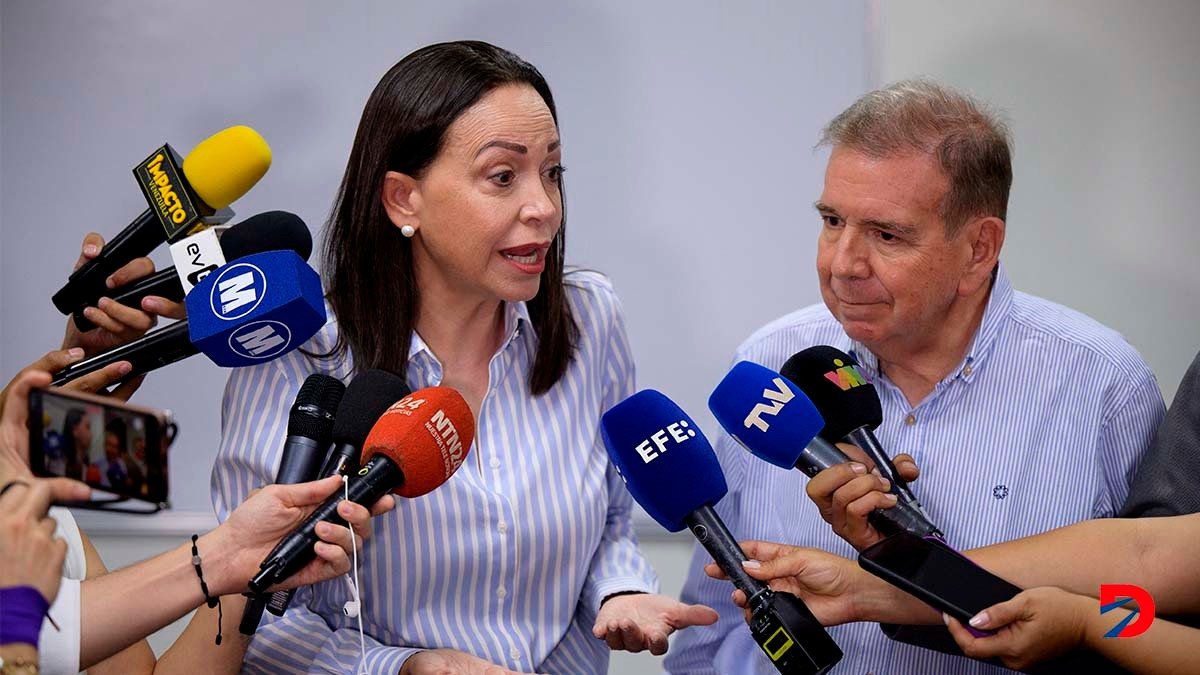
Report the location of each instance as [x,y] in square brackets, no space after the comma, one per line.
[245,312]
[772,418]
[671,470]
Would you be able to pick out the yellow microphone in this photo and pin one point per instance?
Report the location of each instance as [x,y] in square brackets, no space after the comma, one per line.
[185,196]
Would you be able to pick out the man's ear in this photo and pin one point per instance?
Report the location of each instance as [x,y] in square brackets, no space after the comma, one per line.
[986,240]
[401,197]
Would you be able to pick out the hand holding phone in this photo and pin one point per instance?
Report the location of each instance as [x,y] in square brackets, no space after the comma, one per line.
[108,444]
[929,569]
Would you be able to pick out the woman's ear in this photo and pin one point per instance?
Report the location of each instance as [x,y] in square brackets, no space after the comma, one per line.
[401,197]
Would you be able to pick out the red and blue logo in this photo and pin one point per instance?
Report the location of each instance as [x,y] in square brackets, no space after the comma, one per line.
[1113,596]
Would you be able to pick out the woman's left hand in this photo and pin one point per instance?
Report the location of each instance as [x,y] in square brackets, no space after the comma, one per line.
[268,515]
[644,621]
[1036,625]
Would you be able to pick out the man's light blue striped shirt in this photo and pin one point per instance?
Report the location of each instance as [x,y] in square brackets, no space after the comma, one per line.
[510,559]
[1041,425]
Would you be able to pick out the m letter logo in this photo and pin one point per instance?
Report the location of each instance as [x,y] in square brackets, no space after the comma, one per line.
[1113,596]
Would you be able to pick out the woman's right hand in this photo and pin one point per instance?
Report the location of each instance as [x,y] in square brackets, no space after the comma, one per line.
[450,662]
[30,555]
[824,581]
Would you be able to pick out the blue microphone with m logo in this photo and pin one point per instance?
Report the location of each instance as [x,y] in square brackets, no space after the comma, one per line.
[254,309]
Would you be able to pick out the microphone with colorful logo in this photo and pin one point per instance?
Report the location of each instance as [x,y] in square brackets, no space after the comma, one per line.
[414,447]
[251,310]
[184,196]
[671,470]
[850,406]
[769,416]
[267,231]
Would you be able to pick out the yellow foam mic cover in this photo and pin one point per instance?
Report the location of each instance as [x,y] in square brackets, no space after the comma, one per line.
[224,166]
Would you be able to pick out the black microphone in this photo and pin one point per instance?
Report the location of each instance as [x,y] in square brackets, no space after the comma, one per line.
[309,427]
[183,195]
[850,406]
[415,446]
[368,396]
[269,231]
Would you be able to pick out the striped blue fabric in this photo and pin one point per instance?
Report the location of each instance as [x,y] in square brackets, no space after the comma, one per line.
[510,559]
[1041,425]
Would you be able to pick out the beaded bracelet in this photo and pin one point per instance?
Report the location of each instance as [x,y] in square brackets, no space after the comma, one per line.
[208,599]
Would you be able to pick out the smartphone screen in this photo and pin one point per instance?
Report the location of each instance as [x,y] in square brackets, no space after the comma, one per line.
[109,445]
[937,574]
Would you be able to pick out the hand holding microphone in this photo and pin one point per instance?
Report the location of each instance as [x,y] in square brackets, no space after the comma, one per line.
[415,446]
[772,418]
[183,196]
[672,471]
[850,406]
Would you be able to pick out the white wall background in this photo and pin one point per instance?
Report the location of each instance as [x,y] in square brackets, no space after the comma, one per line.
[687,133]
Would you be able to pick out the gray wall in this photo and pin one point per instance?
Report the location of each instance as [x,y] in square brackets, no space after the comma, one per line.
[687,136]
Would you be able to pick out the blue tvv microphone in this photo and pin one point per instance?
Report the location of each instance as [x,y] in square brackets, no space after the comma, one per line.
[245,312]
[671,470]
[769,416]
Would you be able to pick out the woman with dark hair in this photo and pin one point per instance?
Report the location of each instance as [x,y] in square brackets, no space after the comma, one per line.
[444,264]
[77,442]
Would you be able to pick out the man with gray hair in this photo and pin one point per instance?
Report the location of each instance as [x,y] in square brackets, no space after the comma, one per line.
[1023,414]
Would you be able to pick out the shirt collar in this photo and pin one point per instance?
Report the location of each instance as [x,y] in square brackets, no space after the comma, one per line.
[515,314]
[994,315]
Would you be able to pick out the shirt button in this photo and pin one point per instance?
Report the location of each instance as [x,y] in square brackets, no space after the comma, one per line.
[910,419]
[501,593]
[502,527]
[967,371]
[495,463]
[515,654]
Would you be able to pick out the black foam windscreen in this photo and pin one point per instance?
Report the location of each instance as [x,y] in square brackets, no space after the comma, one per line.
[367,398]
[312,413]
[834,383]
[267,231]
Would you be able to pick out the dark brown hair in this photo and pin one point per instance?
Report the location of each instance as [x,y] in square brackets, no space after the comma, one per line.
[368,264]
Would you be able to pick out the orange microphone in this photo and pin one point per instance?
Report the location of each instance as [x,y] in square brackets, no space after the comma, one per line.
[415,446]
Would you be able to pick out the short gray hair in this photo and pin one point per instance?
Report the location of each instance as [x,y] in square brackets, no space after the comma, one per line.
[969,140]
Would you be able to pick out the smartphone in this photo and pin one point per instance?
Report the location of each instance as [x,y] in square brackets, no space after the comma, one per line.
[929,569]
[113,446]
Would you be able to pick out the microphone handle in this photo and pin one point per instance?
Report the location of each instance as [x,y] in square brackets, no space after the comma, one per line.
[780,623]
[163,283]
[820,454]
[865,439]
[378,477]
[712,533]
[301,459]
[343,460]
[86,284]
[149,352]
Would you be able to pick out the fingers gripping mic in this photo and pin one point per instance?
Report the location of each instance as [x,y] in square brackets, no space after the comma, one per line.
[671,470]
[309,426]
[249,311]
[269,231]
[850,405]
[415,446]
[182,196]
[769,416]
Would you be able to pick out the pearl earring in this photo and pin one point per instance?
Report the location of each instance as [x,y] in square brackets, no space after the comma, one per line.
[408,231]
